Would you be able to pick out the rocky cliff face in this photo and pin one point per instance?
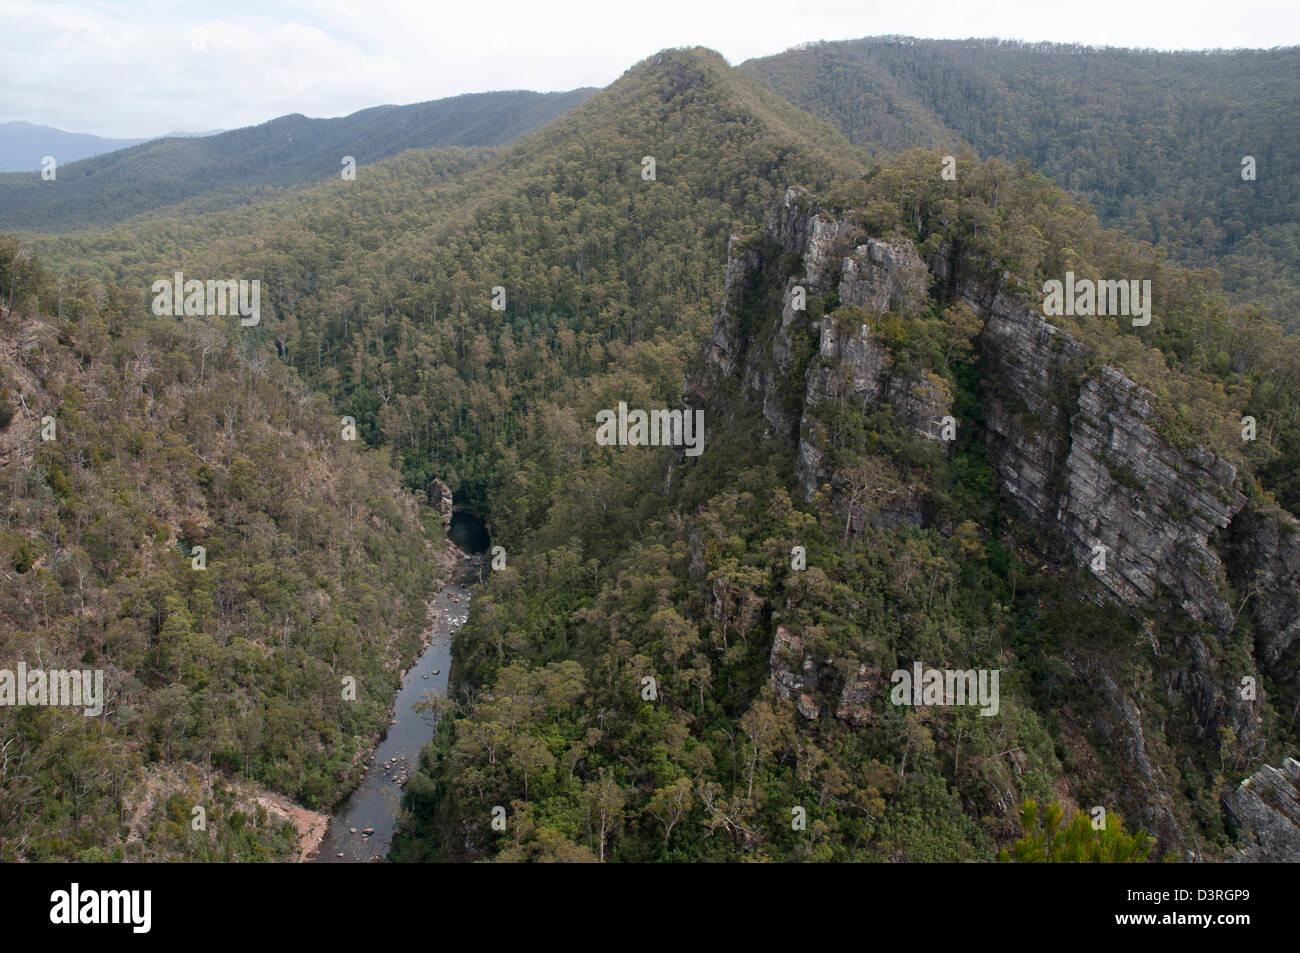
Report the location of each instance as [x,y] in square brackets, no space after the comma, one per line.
[440,499]
[1073,443]
[1075,446]
[1077,450]
[806,253]
[1266,811]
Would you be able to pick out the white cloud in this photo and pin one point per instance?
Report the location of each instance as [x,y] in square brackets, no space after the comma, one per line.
[130,68]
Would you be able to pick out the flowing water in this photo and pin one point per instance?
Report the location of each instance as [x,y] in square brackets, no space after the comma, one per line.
[375,803]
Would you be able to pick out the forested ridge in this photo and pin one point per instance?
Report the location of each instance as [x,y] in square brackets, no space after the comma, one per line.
[551,721]
[246,165]
[624,563]
[1153,141]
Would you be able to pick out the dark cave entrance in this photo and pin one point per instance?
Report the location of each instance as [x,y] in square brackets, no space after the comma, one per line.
[469,532]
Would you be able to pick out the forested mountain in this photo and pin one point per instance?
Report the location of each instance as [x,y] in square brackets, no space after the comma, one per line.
[770,680]
[1153,141]
[381,289]
[647,245]
[244,163]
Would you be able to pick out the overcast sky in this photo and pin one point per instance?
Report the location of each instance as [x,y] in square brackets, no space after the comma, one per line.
[135,68]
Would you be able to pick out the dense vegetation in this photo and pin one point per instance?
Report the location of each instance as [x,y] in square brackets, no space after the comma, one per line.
[244,165]
[650,565]
[1153,141]
[631,564]
[379,290]
[170,436]
[1079,841]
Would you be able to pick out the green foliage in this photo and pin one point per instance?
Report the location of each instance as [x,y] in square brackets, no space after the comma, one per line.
[236,668]
[623,565]
[1046,841]
[1153,141]
[249,165]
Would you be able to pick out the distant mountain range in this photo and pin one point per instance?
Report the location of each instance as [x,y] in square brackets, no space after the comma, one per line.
[141,175]
[24,144]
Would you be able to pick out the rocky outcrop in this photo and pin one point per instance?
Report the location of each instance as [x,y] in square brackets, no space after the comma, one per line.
[1078,451]
[1075,444]
[794,673]
[856,699]
[1153,507]
[440,499]
[1033,369]
[1265,809]
[848,364]
[803,679]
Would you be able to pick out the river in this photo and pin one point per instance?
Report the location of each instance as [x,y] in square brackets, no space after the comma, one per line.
[375,803]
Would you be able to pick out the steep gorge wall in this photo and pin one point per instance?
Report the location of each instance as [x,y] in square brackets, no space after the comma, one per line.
[804,249]
[1073,443]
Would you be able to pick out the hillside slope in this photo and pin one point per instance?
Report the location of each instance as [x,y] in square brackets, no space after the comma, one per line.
[281,153]
[770,672]
[127,443]
[769,686]
[1153,141]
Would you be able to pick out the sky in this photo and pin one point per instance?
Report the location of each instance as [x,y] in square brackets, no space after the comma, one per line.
[139,68]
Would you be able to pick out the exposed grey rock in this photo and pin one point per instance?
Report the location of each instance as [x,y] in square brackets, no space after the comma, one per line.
[798,226]
[883,276]
[795,674]
[855,701]
[440,499]
[1075,445]
[850,364]
[798,676]
[1033,369]
[1078,450]
[1152,506]
[1265,809]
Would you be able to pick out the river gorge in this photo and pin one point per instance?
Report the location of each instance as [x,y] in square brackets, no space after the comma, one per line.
[362,828]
